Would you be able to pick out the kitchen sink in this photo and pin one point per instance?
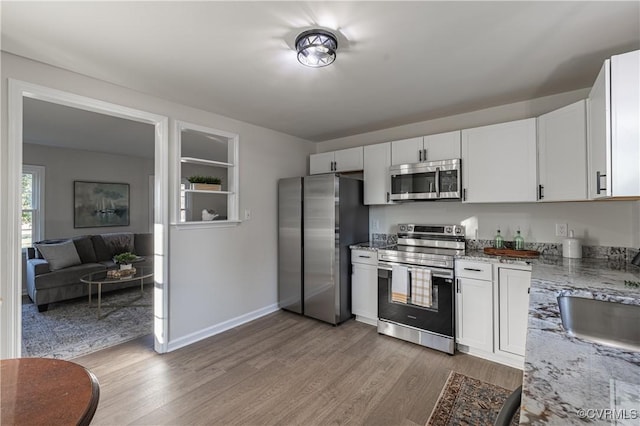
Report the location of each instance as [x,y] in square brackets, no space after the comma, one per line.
[608,323]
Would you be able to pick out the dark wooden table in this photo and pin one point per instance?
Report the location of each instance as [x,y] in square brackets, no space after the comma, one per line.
[45,391]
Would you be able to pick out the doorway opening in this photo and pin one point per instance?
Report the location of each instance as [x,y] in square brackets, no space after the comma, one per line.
[102,154]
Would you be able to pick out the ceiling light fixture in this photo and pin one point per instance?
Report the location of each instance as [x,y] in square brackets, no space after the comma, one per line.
[316,48]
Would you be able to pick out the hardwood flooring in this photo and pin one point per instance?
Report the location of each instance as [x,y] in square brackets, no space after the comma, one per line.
[282,369]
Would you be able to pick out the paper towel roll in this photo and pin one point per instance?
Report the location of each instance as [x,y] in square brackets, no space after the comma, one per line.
[571,247]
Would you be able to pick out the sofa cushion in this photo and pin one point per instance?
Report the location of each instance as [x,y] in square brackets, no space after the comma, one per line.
[67,276]
[84,246]
[61,255]
[100,248]
[119,242]
[143,244]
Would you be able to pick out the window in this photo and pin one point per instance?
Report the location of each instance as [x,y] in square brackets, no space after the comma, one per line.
[208,175]
[32,204]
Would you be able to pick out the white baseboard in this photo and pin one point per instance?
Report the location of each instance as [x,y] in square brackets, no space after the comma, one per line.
[367,320]
[514,361]
[219,328]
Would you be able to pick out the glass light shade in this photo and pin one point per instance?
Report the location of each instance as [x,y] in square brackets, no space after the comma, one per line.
[316,48]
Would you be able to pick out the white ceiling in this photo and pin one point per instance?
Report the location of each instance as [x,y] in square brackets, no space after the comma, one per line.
[398,62]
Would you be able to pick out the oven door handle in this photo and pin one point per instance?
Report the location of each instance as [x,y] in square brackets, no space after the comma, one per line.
[440,273]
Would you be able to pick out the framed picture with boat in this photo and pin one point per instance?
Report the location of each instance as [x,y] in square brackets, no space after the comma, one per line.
[98,204]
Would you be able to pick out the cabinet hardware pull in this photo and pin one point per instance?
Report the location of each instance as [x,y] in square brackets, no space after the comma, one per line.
[424,155]
[473,269]
[366,257]
[599,177]
[388,197]
[420,155]
[457,285]
[540,192]
[464,194]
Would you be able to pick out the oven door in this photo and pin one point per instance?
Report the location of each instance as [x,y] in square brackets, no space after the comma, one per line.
[436,318]
[426,181]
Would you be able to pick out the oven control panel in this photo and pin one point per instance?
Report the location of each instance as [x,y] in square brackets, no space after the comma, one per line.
[450,230]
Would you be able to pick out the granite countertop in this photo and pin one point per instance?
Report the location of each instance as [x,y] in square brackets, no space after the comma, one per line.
[370,245]
[567,379]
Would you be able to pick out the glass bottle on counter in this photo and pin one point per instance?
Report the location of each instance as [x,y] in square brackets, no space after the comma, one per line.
[499,241]
[518,241]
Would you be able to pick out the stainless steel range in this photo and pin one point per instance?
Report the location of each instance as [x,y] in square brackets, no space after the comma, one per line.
[415,285]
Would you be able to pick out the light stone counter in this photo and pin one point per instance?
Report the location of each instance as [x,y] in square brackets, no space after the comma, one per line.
[567,379]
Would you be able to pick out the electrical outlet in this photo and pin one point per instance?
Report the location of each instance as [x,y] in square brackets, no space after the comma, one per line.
[562,229]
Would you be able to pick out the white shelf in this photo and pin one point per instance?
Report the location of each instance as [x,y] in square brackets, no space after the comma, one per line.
[193,160]
[204,191]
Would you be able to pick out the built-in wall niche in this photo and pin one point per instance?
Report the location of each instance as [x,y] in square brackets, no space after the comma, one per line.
[208,175]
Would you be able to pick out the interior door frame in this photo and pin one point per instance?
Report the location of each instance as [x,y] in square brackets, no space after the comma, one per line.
[11,328]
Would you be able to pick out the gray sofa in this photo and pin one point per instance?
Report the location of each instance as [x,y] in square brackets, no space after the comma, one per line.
[54,267]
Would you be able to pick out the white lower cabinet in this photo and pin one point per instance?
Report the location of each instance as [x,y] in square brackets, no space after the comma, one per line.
[492,308]
[474,313]
[364,286]
[513,310]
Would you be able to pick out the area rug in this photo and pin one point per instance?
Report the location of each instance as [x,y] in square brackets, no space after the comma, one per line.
[71,329]
[468,401]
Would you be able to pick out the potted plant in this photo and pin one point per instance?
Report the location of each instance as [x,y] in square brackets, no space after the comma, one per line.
[124,259]
[207,183]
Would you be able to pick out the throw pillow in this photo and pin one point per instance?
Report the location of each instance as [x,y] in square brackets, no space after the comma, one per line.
[61,255]
[84,246]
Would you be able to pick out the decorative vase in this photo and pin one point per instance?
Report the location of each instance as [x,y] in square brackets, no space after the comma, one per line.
[125,266]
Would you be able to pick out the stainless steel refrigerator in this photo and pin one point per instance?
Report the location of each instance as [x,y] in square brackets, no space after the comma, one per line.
[318,218]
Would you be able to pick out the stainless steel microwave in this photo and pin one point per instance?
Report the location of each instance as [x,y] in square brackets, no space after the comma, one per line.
[433,180]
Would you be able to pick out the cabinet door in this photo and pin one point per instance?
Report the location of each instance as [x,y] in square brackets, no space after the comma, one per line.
[599,135]
[364,291]
[513,309]
[321,163]
[499,163]
[406,151]
[562,154]
[377,159]
[474,313]
[348,160]
[443,146]
[625,125]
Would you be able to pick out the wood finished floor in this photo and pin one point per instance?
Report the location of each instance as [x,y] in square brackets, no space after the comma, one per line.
[282,369]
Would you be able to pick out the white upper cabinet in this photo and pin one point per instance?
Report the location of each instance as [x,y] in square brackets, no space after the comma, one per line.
[613,108]
[407,151]
[344,160]
[321,163]
[499,163]
[443,146]
[562,154]
[377,159]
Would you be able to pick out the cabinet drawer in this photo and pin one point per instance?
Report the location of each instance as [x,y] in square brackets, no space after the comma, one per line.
[477,270]
[364,256]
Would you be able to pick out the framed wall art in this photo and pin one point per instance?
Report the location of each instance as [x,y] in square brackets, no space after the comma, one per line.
[97,204]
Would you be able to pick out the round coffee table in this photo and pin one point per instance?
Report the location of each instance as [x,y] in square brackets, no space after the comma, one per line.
[106,278]
[46,391]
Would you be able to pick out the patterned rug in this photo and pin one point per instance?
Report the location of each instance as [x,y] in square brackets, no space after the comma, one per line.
[468,401]
[71,329]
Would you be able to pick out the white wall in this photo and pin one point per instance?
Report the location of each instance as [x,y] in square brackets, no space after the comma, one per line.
[608,223]
[63,166]
[216,275]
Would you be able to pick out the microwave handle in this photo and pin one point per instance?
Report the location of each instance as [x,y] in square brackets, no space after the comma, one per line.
[438,182]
